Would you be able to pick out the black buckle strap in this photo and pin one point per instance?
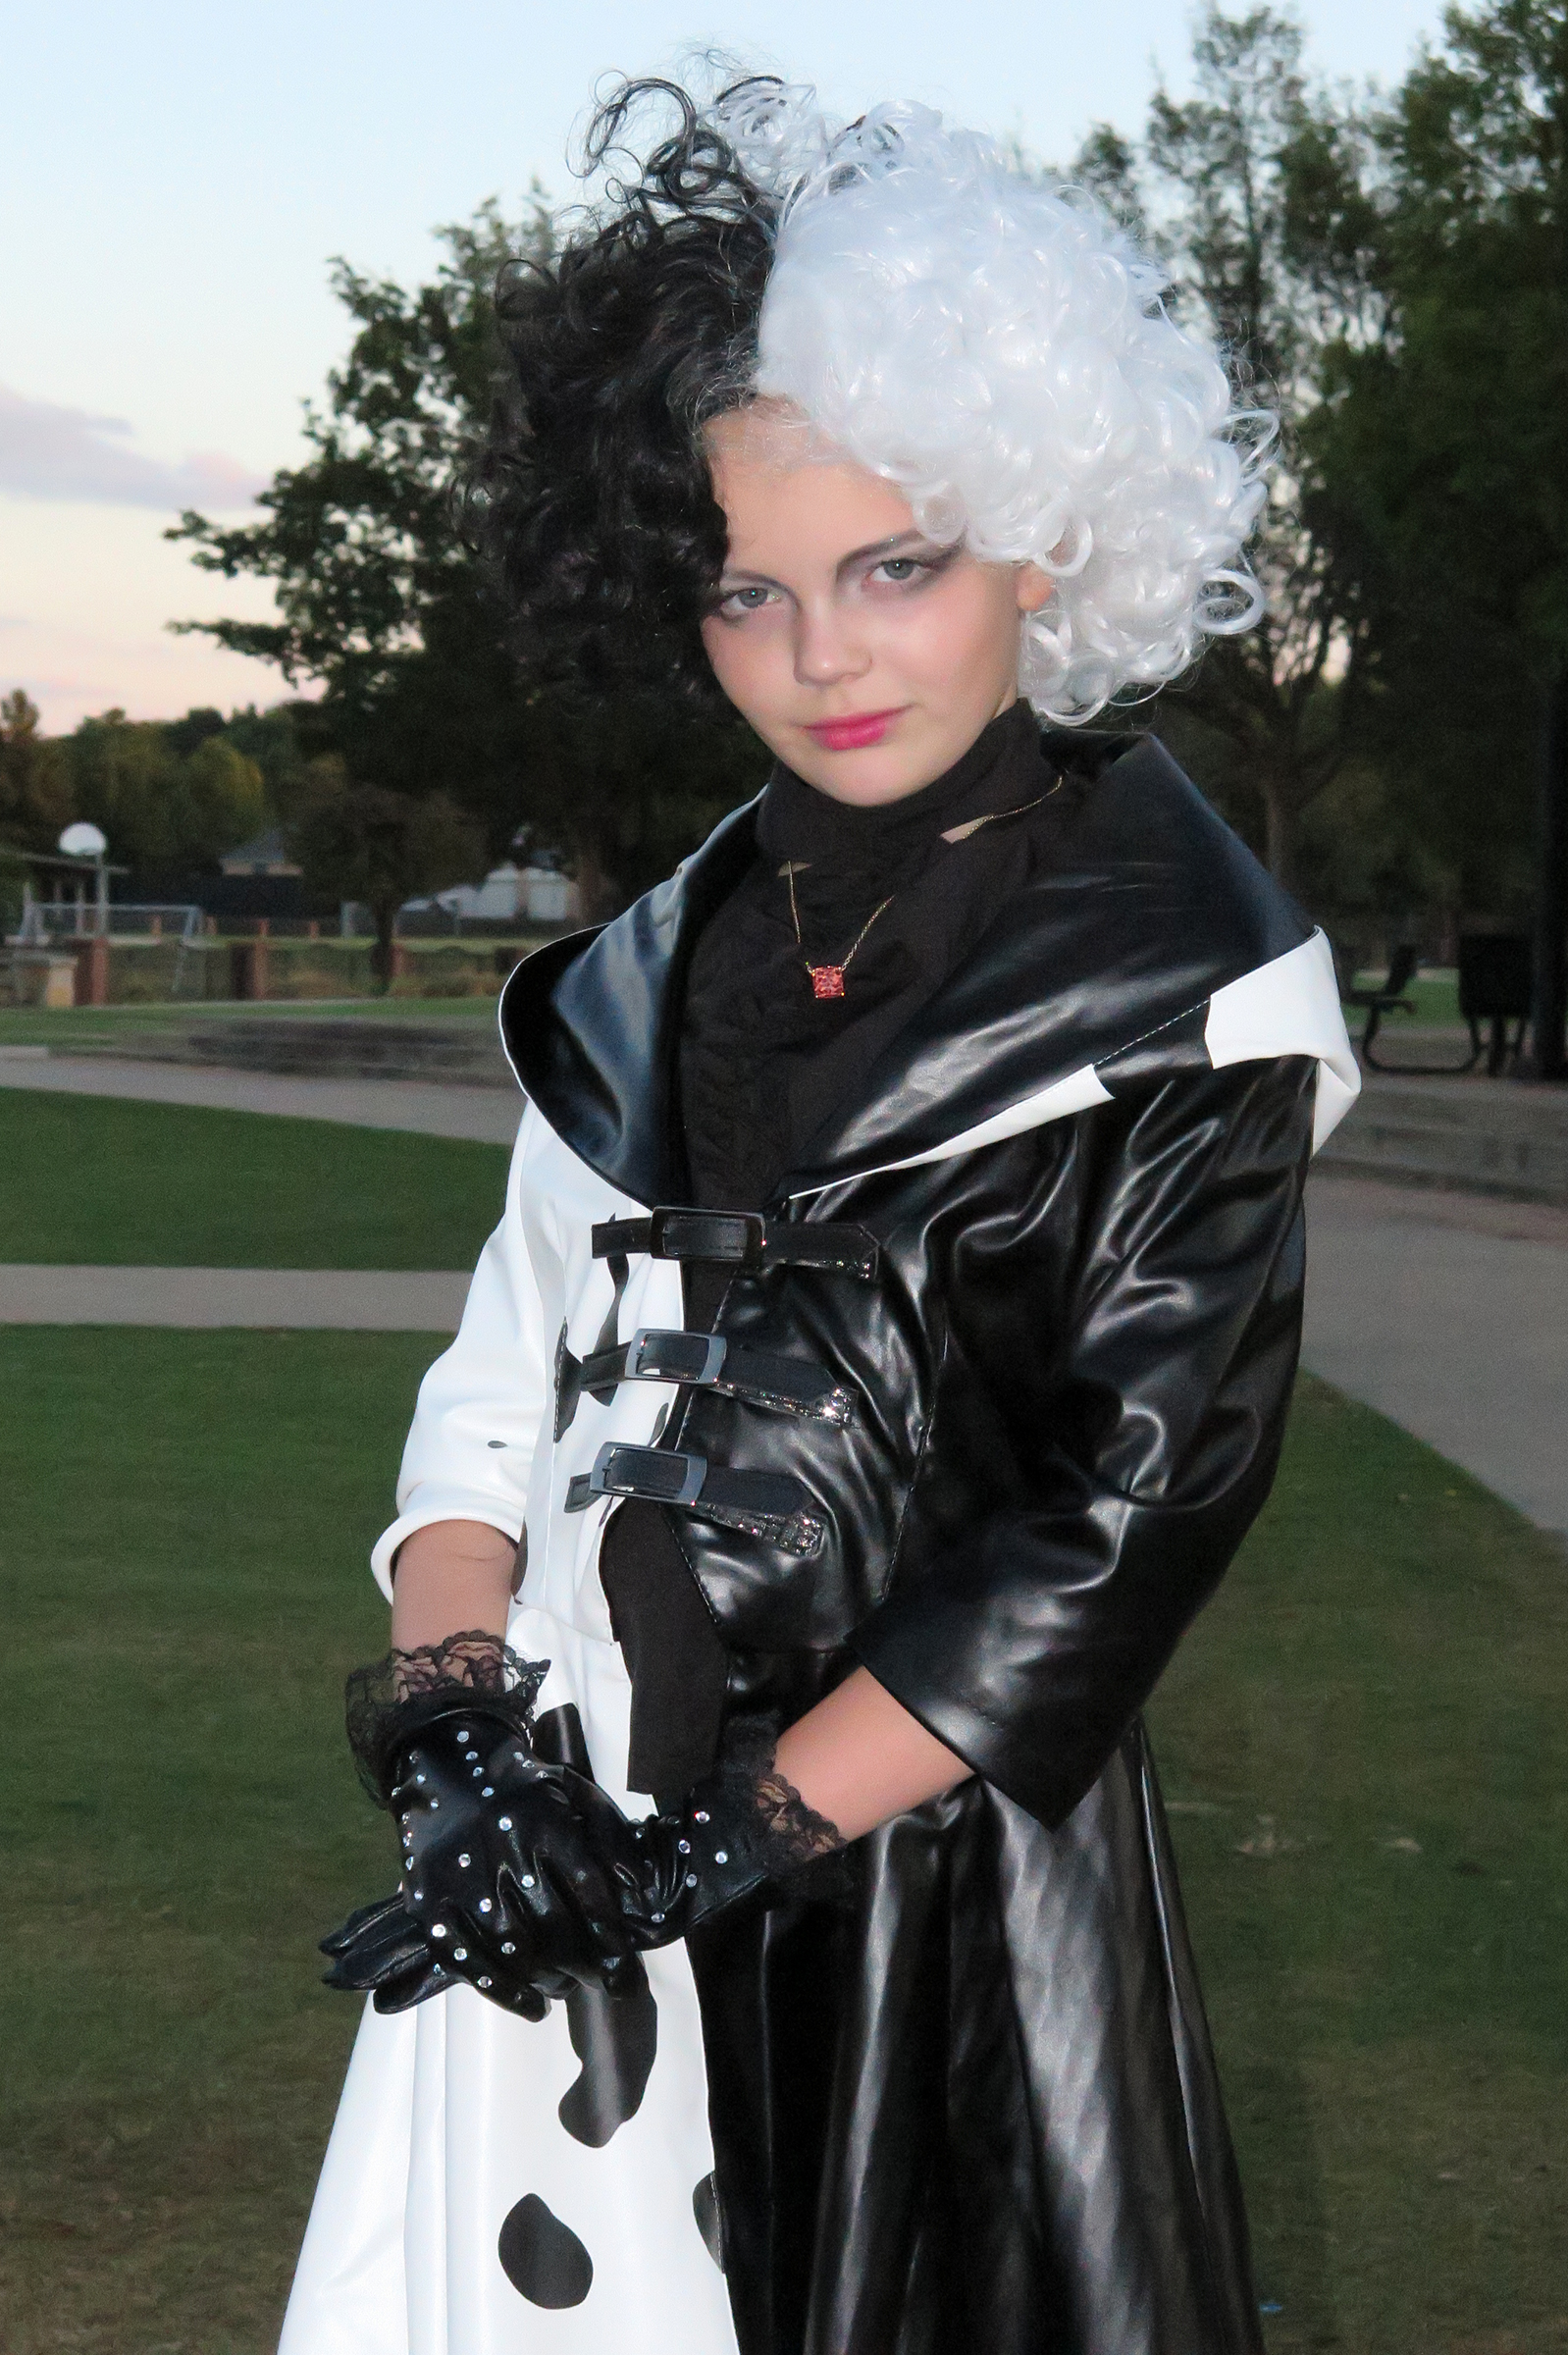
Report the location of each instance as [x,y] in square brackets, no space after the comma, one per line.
[772,1505]
[740,1238]
[790,1385]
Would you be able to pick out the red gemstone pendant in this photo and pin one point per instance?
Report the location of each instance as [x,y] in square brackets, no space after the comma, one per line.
[827,980]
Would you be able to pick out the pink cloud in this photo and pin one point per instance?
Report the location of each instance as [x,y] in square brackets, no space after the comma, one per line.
[49,451]
[71,673]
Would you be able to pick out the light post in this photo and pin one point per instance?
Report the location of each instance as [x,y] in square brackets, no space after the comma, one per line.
[85,841]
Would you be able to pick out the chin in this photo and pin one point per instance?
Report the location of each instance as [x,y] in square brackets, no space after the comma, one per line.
[877,774]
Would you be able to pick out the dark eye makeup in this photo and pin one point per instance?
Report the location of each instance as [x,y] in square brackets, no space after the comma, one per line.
[903,571]
[919,564]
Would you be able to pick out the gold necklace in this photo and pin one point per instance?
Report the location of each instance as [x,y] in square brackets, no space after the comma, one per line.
[827,980]
[973,824]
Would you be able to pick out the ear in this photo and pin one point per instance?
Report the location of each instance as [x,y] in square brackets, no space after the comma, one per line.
[1034,588]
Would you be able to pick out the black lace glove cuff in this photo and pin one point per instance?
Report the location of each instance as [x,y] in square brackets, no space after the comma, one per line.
[741,1828]
[748,1791]
[394,1700]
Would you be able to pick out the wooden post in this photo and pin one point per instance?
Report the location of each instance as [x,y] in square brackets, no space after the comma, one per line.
[247,969]
[92,970]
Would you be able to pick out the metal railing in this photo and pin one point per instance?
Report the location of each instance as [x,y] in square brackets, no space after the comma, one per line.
[62,923]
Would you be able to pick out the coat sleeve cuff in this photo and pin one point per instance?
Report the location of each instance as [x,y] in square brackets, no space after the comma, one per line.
[961,1726]
[430,1504]
[1036,1719]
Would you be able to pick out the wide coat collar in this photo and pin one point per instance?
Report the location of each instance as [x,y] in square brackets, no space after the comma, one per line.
[1147,906]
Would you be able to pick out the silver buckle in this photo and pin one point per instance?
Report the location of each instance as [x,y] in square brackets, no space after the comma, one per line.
[694,1471]
[717,1350]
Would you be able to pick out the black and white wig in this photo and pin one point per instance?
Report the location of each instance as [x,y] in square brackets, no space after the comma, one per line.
[997,348]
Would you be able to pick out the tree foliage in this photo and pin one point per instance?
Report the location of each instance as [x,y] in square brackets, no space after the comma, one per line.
[1257,192]
[35,796]
[379,846]
[169,795]
[379,601]
[1393,278]
[161,809]
[1447,443]
[358,541]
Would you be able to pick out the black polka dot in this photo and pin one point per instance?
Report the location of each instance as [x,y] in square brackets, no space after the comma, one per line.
[615,2037]
[709,2222]
[544,2258]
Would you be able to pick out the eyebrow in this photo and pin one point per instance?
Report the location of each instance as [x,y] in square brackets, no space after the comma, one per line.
[856,555]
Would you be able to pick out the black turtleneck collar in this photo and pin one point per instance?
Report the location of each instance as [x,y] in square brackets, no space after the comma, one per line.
[840,839]
[762,1059]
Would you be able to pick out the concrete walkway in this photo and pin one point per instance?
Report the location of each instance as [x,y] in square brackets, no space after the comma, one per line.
[1447,1312]
[367,1300]
[426,1109]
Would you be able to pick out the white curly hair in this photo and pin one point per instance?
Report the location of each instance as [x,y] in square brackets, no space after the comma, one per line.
[1000,350]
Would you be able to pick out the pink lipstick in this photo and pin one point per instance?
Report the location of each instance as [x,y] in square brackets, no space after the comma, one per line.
[860,728]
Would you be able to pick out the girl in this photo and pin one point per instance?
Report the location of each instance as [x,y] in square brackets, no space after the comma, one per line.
[886,1343]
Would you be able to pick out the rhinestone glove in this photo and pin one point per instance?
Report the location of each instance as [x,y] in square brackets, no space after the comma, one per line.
[521,1876]
[589,1886]
[422,1726]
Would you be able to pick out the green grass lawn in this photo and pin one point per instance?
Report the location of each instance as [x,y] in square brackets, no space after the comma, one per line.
[1365,1743]
[1433,997]
[182,1566]
[71,1029]
[104,1182]
[1364,1740]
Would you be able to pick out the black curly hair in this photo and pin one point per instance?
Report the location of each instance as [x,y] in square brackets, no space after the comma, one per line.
[592,496]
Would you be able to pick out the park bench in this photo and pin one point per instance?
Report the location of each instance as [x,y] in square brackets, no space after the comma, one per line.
[1494,988]
[1387,997]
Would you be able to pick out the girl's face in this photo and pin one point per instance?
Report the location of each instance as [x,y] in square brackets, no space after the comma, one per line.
[867,655]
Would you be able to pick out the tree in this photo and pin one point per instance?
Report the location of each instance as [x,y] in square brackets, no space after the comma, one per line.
[379,846]
[381,602]
[162,811]
[378,598]
[35,796]
[1257,193]
[1450,442]
[281,741]
[201,722]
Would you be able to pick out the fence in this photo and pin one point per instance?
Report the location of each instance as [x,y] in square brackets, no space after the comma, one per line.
[193,968]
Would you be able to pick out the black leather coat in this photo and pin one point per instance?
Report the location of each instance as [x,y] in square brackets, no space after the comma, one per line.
[1050,1268]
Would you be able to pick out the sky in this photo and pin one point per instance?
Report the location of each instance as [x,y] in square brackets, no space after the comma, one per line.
[175,178]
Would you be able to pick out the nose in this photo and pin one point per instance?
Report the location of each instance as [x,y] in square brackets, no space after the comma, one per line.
[826,647]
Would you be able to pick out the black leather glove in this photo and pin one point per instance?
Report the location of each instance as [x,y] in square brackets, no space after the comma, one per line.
[589,1887]
[418,1724]
[382,1951]
[520,1875]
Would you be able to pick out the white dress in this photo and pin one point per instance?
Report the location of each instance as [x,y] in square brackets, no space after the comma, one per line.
[457,2214]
